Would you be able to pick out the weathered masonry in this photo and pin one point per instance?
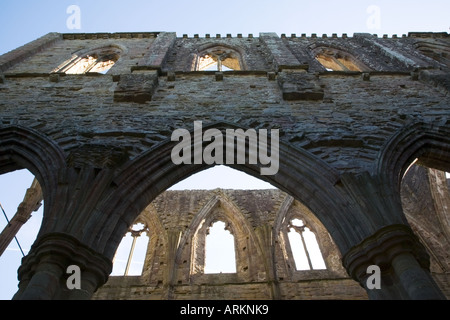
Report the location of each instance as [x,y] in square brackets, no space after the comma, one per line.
[364,148]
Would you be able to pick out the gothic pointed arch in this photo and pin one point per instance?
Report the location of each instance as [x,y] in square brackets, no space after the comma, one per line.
[94,59]
[219,208]
[222,54]
[289,210]
[417,142]
[334,58]
[413,163]
[301,174]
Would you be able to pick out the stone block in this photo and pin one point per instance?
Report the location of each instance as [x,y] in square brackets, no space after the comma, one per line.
[171,76]
[271,76]
[299,86]
[137,88]
[54,77]
[219,76]
[365,76]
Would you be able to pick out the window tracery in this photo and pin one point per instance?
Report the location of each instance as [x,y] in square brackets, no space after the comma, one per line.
[304,246]
[130,255]
[219,58]
[336,60]
[99,61]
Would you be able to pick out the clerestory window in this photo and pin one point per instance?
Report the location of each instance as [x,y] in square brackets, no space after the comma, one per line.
[218,58]
[214,64]
[304,246]
[336,60]
[99,61]
[130,255]
[220,254]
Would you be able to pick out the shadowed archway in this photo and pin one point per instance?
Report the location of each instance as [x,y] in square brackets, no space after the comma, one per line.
[301,174]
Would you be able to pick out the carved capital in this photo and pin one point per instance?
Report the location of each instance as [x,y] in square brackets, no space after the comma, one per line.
[381,248]
[52,254]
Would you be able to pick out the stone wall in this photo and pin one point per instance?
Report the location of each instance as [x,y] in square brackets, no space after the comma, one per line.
[351,117]
[100,145]
[245,212]
[180,210]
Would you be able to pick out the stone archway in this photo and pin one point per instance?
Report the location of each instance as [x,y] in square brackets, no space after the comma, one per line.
[305,177]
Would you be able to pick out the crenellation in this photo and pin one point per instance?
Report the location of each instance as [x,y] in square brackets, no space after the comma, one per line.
[388,49]
[104,35]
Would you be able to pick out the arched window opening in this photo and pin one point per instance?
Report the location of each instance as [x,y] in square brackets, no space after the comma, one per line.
[336,60]
[305,249]
[82,65]
[103,65]
[211,237]
[130,255]
[21,218]
[91,64]
[218,58]
[212,64]
[97,61]
[220,251]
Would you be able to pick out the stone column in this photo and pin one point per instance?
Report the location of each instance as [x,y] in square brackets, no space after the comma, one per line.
[155,58]
[173,238]
[265,239]
[416,280]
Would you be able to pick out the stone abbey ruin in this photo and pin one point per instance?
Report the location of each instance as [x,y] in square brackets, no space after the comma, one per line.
[363,156]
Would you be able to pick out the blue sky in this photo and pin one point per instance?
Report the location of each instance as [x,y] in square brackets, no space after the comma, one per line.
[24,21]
